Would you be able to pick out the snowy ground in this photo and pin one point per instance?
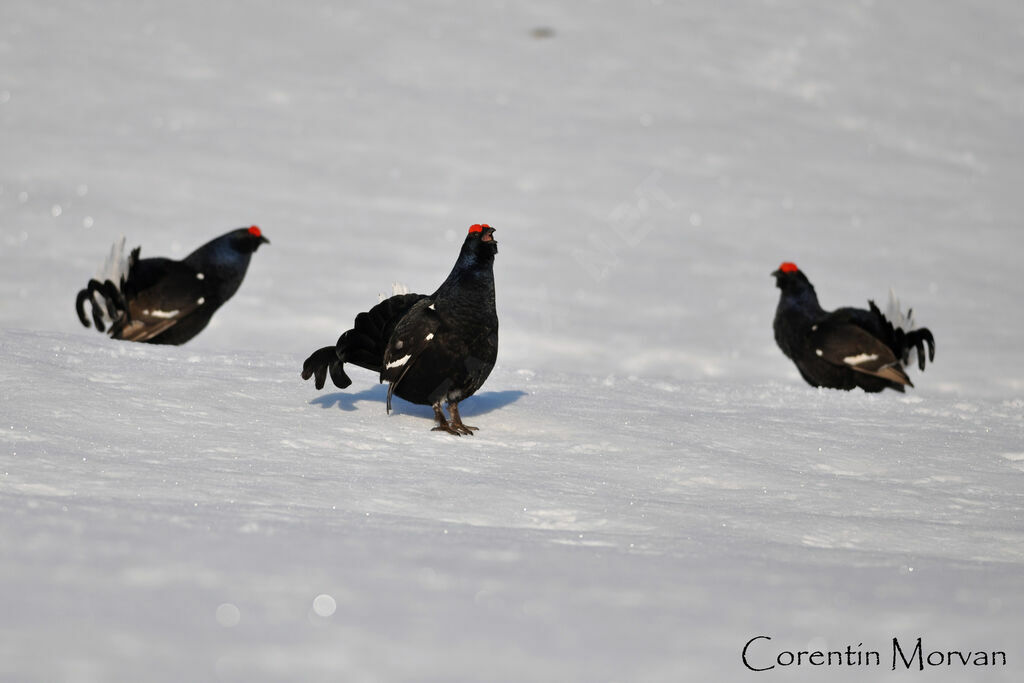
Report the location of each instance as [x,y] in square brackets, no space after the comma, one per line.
[653,485]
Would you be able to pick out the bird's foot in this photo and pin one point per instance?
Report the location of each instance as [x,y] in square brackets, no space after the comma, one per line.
[456,421]
[453,426]
[446,427]
[456,429]
[464,429]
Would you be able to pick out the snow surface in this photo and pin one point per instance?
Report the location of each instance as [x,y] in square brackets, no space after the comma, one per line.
[653,484]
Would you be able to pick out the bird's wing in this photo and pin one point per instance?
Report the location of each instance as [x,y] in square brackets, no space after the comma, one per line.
[847,345]
[161,292]
[413,333]
[367,341]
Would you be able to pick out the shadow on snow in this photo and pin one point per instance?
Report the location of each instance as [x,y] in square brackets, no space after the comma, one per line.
[480,403]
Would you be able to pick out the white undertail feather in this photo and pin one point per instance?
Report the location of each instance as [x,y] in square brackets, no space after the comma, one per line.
[396,289]
[115,268]
[896,316]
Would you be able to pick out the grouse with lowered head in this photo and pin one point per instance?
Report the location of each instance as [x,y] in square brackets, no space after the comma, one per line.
[162,301]
[847,347]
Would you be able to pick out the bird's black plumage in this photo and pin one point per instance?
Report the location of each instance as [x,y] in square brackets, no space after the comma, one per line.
[431,349]
[162,301]
[845,348]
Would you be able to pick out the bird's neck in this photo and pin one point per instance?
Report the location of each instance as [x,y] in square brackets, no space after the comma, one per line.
[800,303]
[470,282]
[223,268]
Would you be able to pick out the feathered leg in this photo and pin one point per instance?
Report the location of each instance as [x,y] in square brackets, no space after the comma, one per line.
[442,424]
[456,421]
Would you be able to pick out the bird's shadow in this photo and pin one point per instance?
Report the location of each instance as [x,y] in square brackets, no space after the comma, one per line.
[481,403]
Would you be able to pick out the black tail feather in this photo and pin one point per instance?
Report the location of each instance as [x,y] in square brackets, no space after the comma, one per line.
[318,365]
[114,304]
[363,345]
[363,358]
[917,339]
[83,296]
[339,376]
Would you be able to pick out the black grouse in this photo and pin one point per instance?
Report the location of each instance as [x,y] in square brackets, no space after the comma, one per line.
[162,301]
[429,349]
[847,347]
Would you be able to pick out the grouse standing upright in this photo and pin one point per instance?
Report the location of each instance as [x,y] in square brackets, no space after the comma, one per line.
[162,301]
[847,347]
[429,349]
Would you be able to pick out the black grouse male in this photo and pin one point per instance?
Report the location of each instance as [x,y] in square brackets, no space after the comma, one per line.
[847,347]
[162,301]
[429,349]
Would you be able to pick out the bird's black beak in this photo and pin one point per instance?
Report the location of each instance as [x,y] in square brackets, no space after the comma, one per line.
[776,272]
[264,240]
[488,236]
